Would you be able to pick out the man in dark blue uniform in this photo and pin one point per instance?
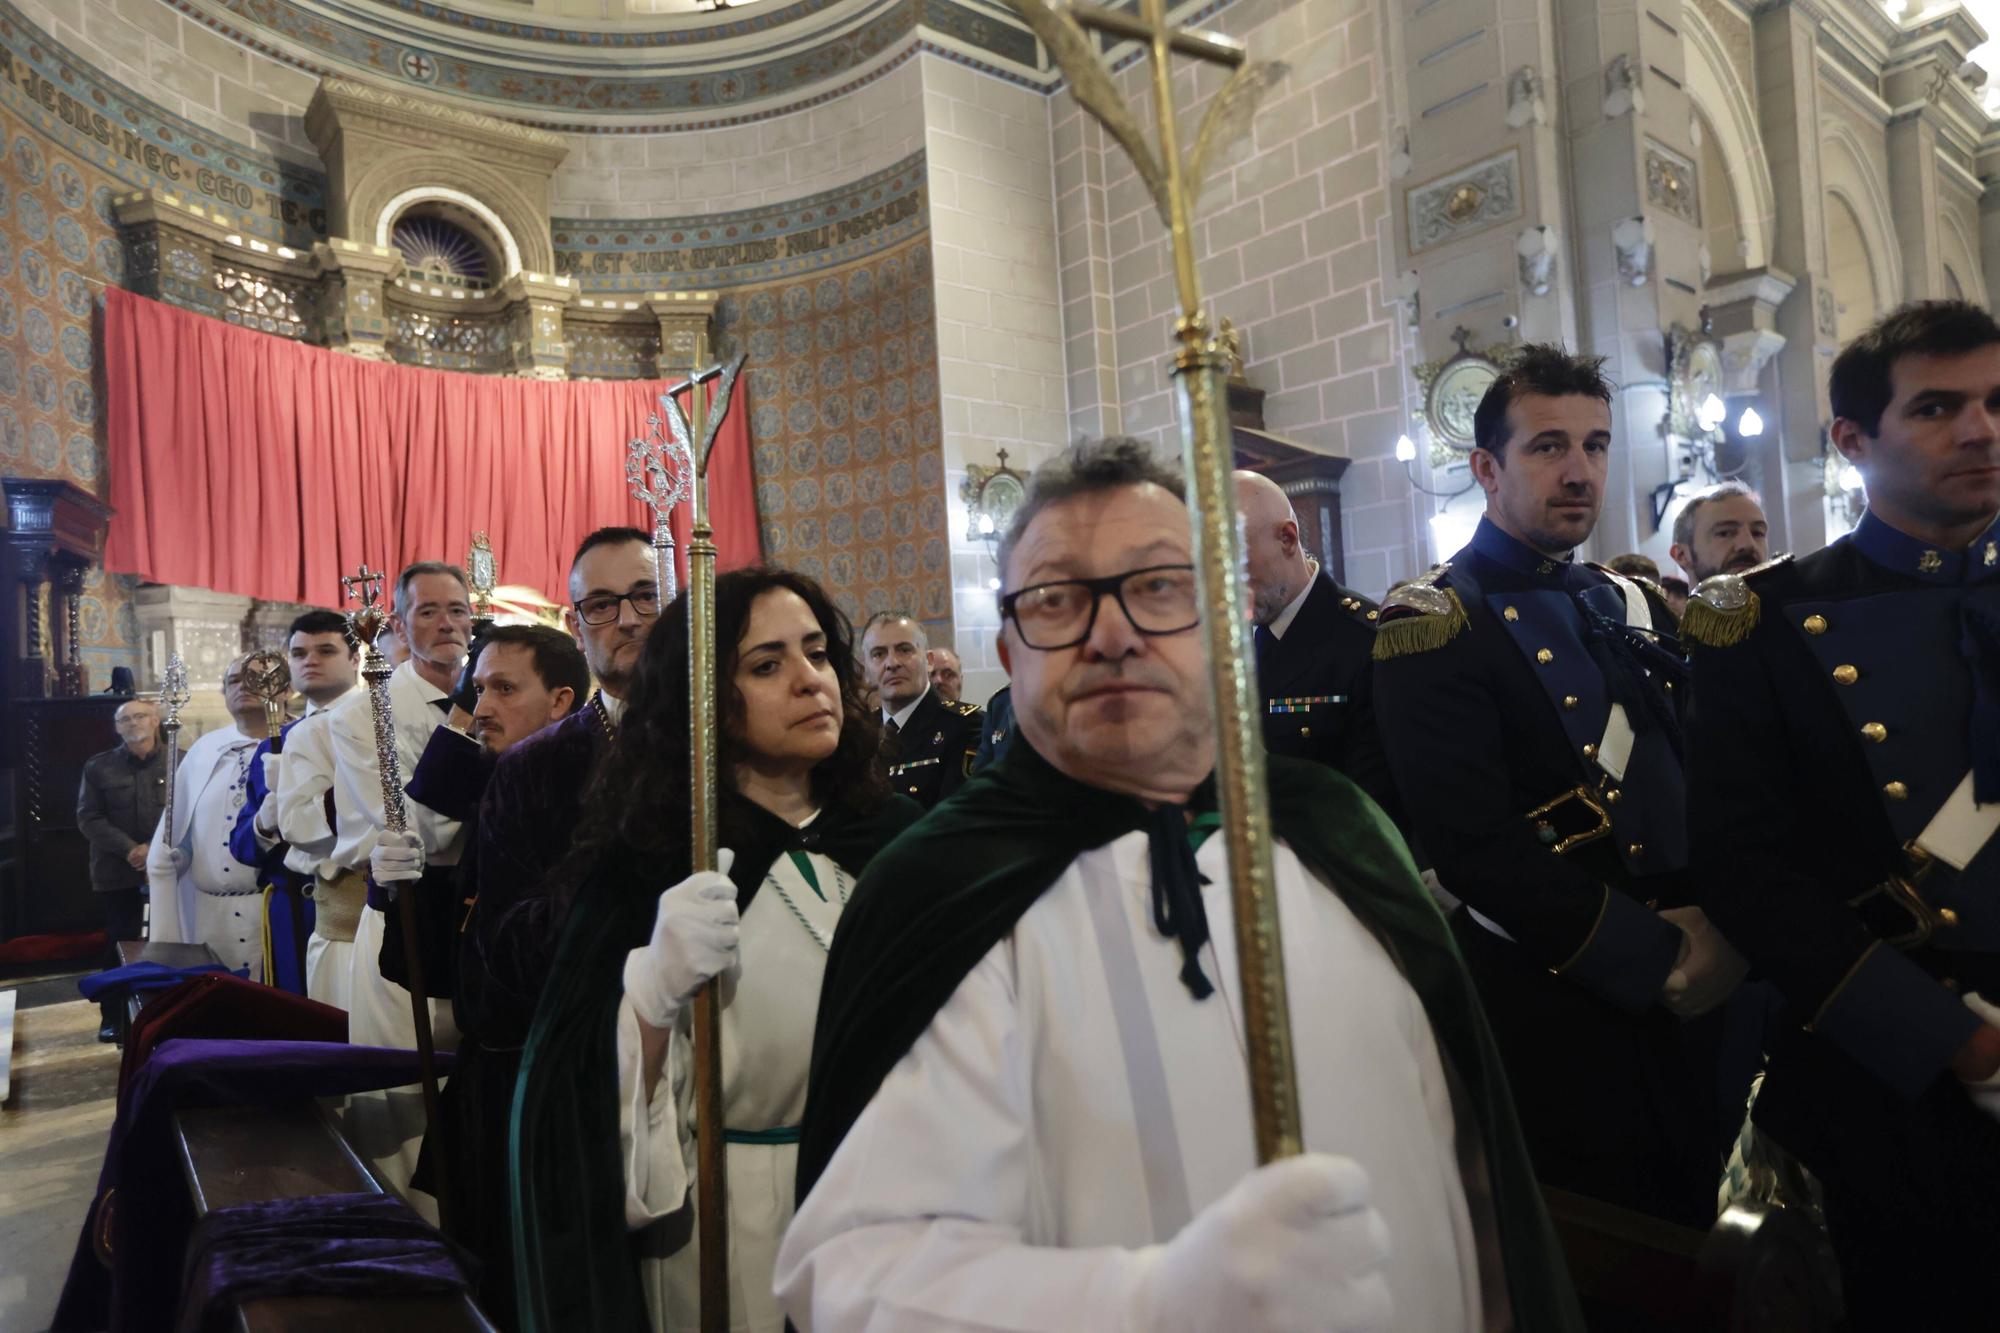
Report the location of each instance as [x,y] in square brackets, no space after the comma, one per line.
[1530,714]
[1314,643]
[928,741]
[1844,780]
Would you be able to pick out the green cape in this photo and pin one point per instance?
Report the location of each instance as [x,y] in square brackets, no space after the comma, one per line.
[574,1263]
[938,899]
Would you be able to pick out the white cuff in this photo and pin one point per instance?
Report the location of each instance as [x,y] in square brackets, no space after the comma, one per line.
[649,1140]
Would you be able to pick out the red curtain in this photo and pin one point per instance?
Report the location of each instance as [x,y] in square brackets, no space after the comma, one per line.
[251,464]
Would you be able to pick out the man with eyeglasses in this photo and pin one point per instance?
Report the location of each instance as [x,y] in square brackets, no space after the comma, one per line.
[1027,1089]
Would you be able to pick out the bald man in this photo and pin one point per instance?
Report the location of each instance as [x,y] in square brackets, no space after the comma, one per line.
[1313,643]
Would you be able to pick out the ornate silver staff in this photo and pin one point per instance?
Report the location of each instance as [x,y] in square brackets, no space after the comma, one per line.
[662,472]
[266,675]
[482,572]
[694,441]
[367,621]
[1199,369]
[174,695]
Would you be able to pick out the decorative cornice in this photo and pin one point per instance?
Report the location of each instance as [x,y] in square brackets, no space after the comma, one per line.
[338,97]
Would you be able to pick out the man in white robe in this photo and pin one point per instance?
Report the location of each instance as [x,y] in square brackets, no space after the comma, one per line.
[1068,1143]
[200,893]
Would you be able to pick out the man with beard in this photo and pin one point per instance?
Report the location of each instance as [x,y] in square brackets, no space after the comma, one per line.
[518,681]
[1532,722]
[1721,531]
[324,663]
[201,894]
[1844,785]
[928,741]
[1027,1107]
[1314,643]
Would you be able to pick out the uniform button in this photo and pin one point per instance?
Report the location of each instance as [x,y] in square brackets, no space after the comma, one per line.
[1950,984]
[1896,791]
[1569,701]
[1589,751]
[1510,614]
[1635,849]
[1846,674]
[1815,624]
[1374,615]
[1305,733]
[1614,796]
[1947,917]
[1875,731]
[1544,656]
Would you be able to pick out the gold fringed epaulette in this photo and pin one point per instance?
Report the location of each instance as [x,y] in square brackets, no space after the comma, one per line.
[1721,612]
[1723,609]
[1418,617]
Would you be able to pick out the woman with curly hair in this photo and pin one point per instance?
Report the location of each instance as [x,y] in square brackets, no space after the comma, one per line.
[602,1129]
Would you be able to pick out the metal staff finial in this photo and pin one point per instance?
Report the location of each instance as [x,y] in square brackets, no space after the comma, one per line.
[266,675]
[1200,366]
[697,438]
[661,470]
[482,573]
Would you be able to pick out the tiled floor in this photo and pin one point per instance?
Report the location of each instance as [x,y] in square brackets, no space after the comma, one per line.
[52,1133]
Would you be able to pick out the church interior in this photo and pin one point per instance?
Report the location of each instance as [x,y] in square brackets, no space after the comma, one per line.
[505,227]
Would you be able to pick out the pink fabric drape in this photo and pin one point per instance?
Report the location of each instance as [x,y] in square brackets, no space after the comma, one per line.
[255,465]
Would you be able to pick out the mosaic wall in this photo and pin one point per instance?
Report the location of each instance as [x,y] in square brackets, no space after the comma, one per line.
[57,250]
[844,425]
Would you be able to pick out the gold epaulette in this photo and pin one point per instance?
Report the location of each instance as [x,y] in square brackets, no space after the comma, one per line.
[1419,617]
[1724,608]
[962,708]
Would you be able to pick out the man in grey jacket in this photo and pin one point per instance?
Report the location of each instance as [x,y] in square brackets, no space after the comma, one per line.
[118,807]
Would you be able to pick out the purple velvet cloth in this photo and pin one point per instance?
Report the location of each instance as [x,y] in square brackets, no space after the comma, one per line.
[366,1245]
[142,1208]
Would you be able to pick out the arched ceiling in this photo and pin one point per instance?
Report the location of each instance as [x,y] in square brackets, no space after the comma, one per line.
[624,65]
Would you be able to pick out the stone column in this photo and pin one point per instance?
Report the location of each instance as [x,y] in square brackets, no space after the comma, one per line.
[1786,35]
[684,318]
[207,629]
[1743,310]
[354,318]
[535,313]
[1632,165]
[1913,202]
[1989,239]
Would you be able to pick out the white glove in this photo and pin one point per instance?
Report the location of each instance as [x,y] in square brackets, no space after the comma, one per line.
[694,939]
[397,857]
[1985,1093]
[1293,1245]
[163,860]
[1709,969]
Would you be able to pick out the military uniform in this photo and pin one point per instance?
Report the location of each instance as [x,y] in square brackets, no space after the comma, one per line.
[1844,704]
[1317,682]
[932,752]
[1531,724]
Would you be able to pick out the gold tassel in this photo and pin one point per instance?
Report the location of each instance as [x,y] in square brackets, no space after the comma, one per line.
[1711,626]
[1420,633]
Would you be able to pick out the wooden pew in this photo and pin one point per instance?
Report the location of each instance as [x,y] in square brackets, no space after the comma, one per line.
[166,955]
[1754,1271]
[235,1155]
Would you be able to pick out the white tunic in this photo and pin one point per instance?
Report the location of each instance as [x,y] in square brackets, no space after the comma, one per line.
[1072,1102]
[769,1003]
[216,901]
[298,806]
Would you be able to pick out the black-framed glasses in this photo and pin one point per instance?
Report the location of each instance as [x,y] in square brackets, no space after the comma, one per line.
[1159,599]
[602,608]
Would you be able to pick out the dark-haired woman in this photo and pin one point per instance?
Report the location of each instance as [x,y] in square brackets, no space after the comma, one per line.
[602,1122]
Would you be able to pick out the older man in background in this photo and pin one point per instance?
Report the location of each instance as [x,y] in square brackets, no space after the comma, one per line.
[117,809]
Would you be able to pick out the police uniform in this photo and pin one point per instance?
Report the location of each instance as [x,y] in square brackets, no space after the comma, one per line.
[1316,679]
[932,752]
[1530,720]
[1846,726]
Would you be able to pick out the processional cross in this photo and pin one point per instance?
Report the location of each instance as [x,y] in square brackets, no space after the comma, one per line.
[1200,367]
[663,472]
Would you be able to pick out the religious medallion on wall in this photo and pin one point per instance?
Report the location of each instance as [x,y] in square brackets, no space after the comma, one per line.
[1452,390]
[1695,381]
[991,496]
